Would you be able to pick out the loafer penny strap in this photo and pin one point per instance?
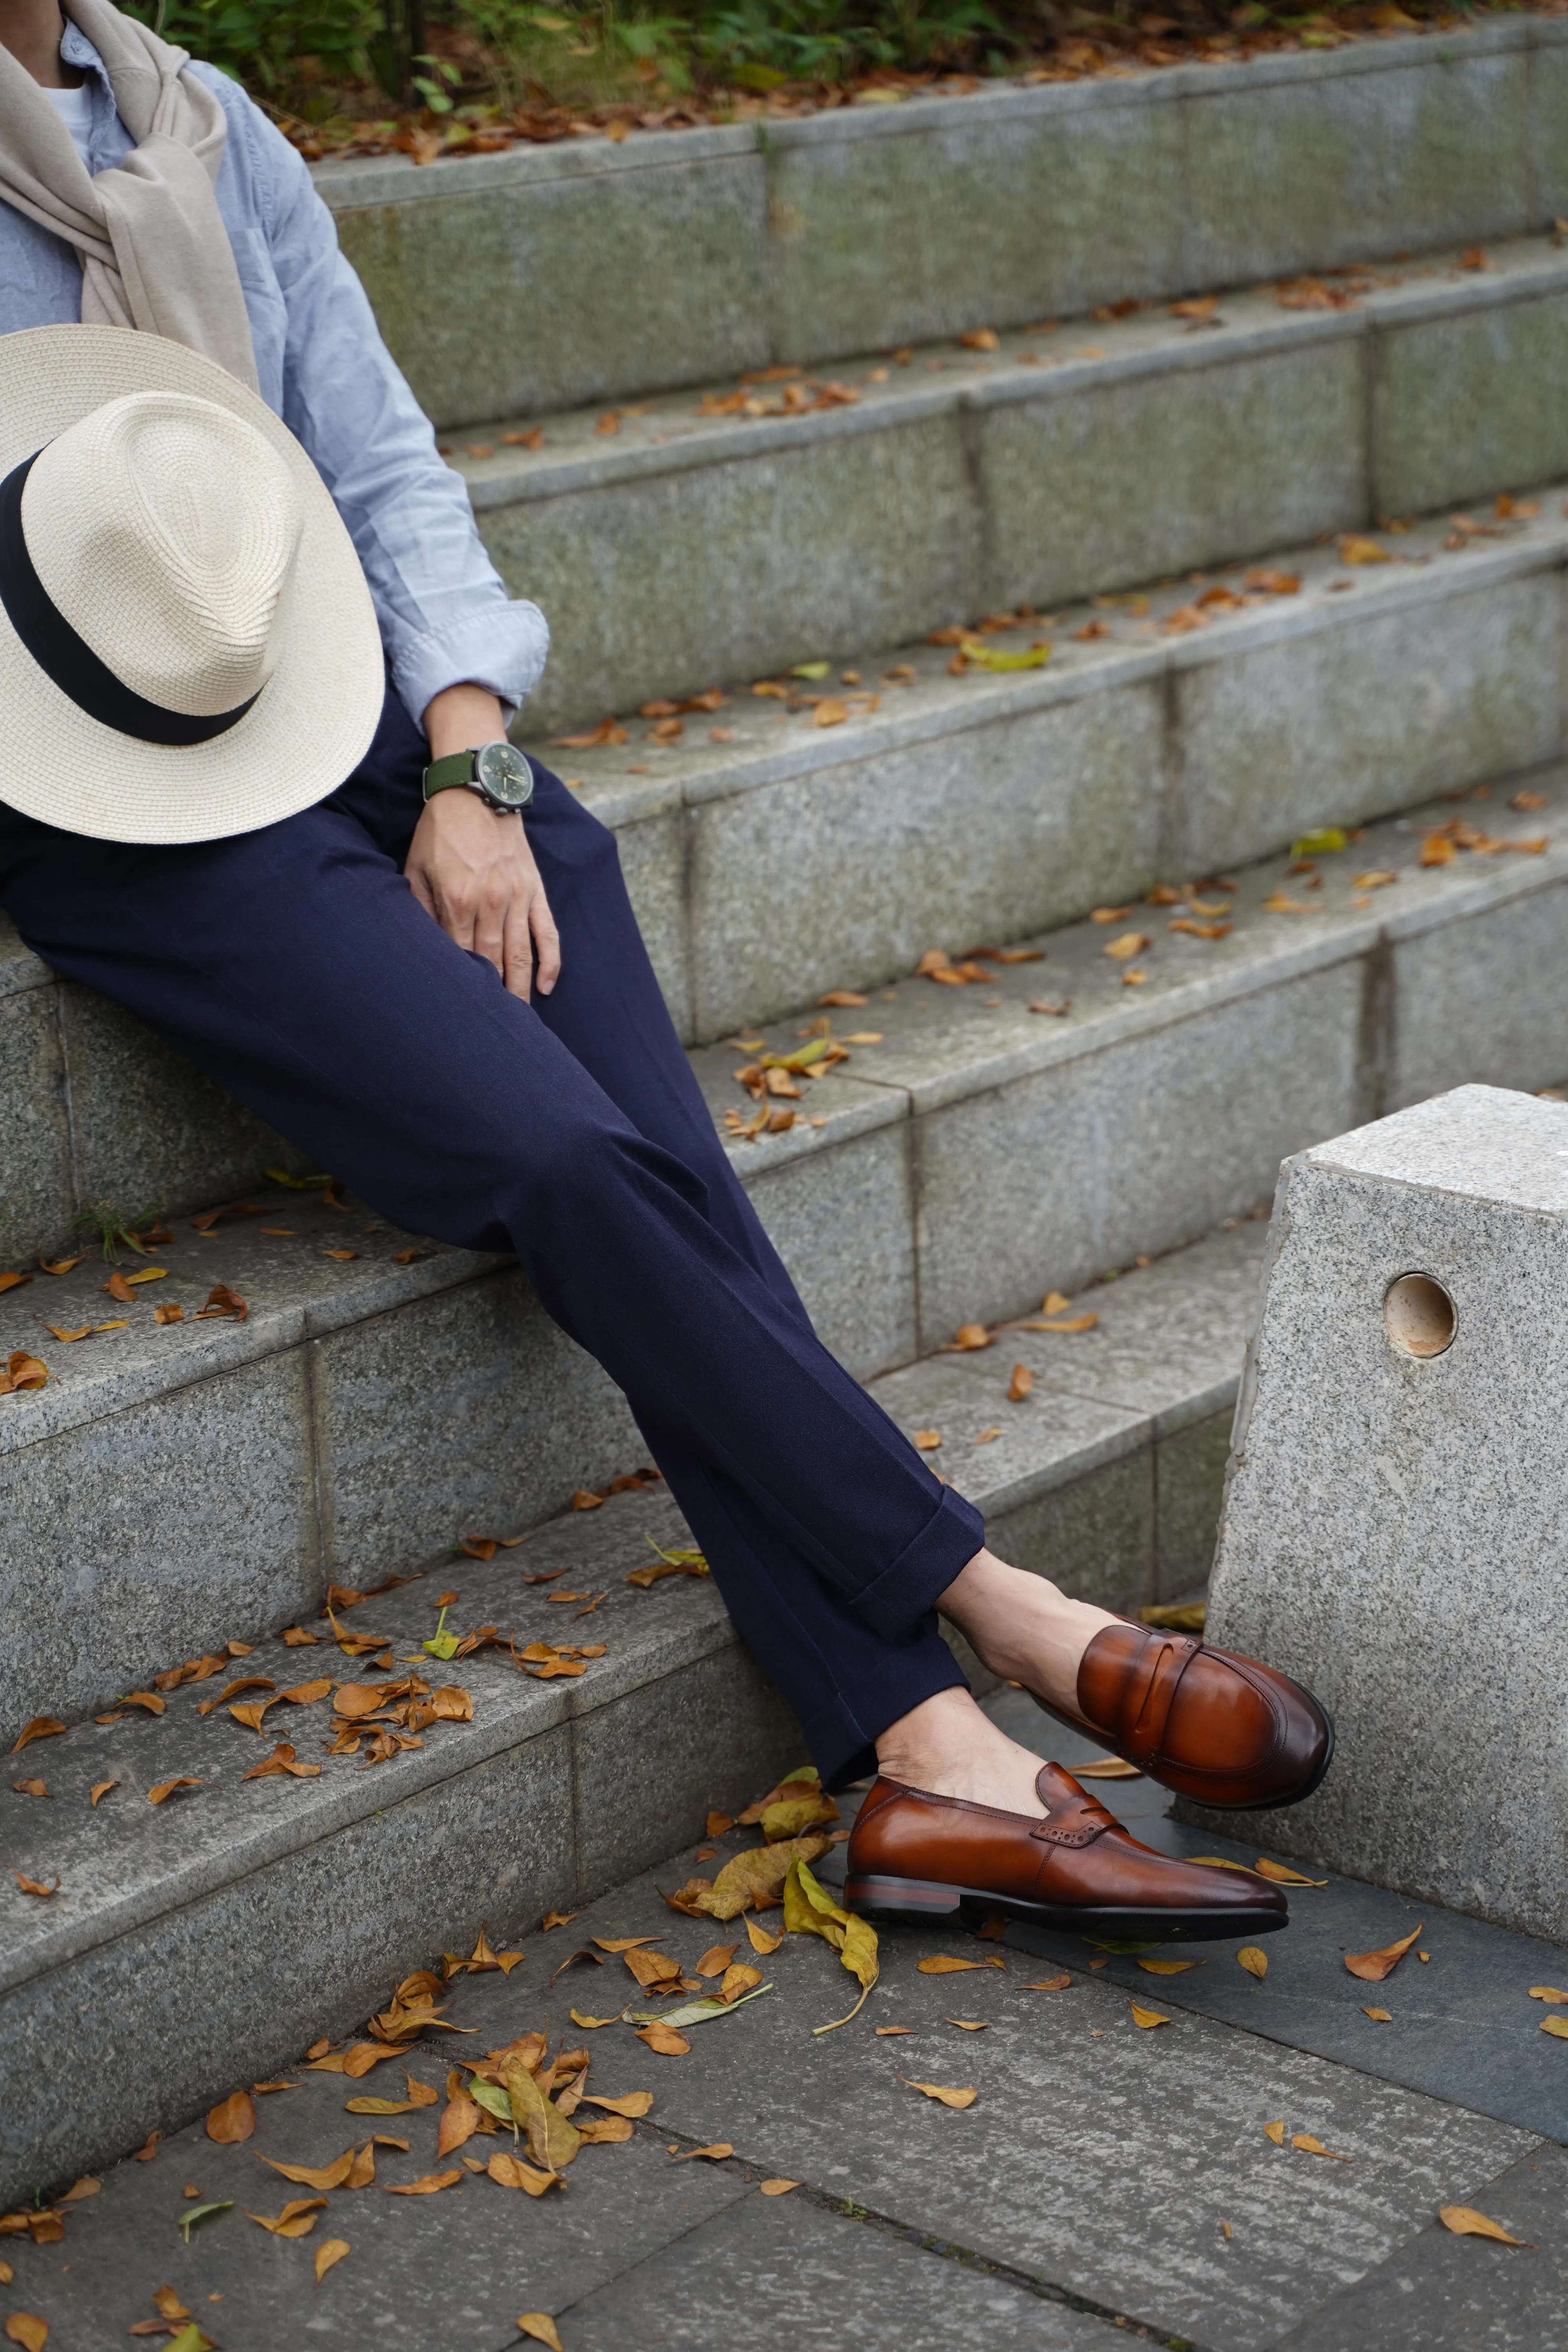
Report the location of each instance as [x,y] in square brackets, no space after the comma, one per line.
[1075,1821]
[1145,1717]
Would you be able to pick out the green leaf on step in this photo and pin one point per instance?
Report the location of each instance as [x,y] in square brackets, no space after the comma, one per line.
[811,669]
[194,2213]
[1319,845]
[189,2339]
[695,2012]
[492,2099]
[296,1184]
[980,656]
[810,1910]
[441,1643]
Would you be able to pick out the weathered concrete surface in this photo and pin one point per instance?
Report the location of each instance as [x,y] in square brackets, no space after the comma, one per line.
[547,277]
[1393,1533]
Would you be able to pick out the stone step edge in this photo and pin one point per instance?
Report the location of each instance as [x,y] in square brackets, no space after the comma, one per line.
[938,706]
[853,1104]
[678,1623]
[666,436]
[346,185]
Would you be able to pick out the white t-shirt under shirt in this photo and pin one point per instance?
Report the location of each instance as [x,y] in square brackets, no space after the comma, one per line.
[75,110]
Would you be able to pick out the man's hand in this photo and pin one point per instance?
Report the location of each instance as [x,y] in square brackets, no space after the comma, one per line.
[471,867]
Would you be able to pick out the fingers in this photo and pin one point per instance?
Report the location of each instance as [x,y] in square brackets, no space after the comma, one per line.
[517,967]
[493,901]
[547,939]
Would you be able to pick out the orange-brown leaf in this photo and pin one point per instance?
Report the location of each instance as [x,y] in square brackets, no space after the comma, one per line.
[1373,1966]
[233,2119]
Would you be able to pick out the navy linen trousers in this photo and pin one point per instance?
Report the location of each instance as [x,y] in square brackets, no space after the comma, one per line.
[295,966]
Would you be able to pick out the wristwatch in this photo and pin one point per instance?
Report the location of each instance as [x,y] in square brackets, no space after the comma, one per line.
[501,775]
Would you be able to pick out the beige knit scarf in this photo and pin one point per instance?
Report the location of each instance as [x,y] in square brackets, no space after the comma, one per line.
[154,252]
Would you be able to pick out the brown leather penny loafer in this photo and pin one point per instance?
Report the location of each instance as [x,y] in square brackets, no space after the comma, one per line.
[1216,1727]
[917,1857]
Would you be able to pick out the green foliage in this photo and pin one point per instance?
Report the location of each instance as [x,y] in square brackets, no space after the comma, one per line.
[259,41]
[111,1225]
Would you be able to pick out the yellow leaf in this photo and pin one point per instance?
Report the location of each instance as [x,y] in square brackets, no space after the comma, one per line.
[1111,1767]
[296,2220]
[427,2186]
[636,2103]
[1557,2025]
[1465,2222]
[945,1964]
[789,1819]
[316,2175]
[1312,2147]
[1282,1876]
[809,1909]
[511,2172]
[761,1939]
[665,2040]
[926,1441]
[551,2139]
[968,2024]
[1379,2016]
[949,2098]
[1255,1962]
[25,2328]
[578,2019]
[777,2188]
[1128,945]
[605,2130]
[155,1796]
[1548,1993]
[1169,1967]
[541,2327]
[332,2251]
[1147,2017]
[232,2120]
[1276,2132]
[1373,1966]
[717,2153]
[1355,550]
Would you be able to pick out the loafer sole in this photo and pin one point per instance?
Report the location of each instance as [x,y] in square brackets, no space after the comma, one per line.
[878,1897]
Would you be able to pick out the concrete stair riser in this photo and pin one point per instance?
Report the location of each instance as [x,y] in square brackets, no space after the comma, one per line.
[1151,448]
[548,277]
[361,1418]
[798,859]
[213,1920]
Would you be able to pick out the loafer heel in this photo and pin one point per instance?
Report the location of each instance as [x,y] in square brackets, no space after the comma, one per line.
[903,1898]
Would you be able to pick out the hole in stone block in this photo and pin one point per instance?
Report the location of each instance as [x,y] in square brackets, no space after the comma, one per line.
[1420,1317]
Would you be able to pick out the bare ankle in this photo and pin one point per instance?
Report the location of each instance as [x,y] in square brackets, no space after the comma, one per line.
[1022,1626]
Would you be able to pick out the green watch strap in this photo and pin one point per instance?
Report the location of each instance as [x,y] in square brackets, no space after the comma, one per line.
[457,768]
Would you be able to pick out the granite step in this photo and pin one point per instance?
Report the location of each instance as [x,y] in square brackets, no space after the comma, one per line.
[793,859]
[936,484]
[549,277]
[969,1154]
[241,1919]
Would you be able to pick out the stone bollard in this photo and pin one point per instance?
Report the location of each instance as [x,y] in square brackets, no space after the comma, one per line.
[1395,1523]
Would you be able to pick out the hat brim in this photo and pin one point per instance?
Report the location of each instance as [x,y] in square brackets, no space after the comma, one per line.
[314,719]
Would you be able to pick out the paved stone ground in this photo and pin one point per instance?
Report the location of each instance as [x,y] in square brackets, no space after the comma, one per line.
[1108,2180]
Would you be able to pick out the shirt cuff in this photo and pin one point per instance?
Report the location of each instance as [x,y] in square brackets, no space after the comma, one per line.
[502,649]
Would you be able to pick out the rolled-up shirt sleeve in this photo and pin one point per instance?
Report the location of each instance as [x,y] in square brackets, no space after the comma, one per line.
[445,618]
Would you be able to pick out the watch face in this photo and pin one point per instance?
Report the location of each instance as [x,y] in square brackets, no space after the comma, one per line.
[504,774]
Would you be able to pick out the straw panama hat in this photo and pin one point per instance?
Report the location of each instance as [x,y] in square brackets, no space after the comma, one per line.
[187,646]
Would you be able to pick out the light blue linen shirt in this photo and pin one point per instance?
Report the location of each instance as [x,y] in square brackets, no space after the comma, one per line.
[444,616]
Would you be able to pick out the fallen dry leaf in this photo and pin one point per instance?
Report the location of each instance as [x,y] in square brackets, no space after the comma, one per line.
[1379,2016]
[31,1788]
[42,1727]
[926,1441]
[1169,1967]
[1109,1768]
[1021,1382]
[717,2152]
[776,2187]
[101,1789]
[1312,2147]
[1049,1984]
[606,2131]
[511,2172]
[32,1886]
[296,2220]
[1129,944]
[1147,2017]
[1255,1962]
[715,1959]
[944,1964]
[1282,1877]
[541,2327]
[427,2187]
[665,2040]
[1557,2025]
[939,2091]
[634,2103]
[232,2120]
[1548,1993]
[330,2252]
[1354,549]
[1465,2222]
[1373,1966]
[316,2175]
[761,1941]
[166,1788]
[967,2025]
[25,2328]
[1276,2132]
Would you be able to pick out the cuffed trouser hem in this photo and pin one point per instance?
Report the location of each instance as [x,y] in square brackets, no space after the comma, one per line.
[904,1592]
[842,1734]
